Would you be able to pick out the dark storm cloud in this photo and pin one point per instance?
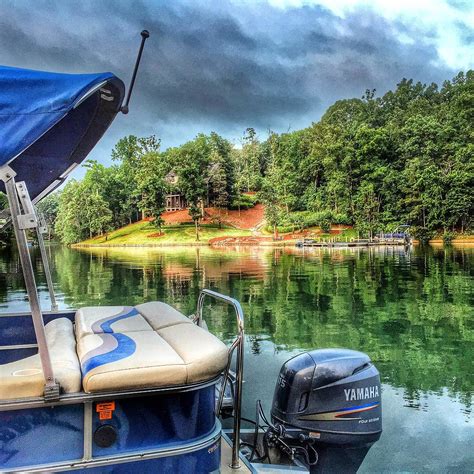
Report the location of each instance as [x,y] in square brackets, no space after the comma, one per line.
[218,67]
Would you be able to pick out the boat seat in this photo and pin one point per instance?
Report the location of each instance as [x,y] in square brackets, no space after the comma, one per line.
[109,319]
[150,345]
[24,377]
[161,315]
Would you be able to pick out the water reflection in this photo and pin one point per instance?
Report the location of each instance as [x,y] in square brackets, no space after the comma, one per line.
[412,311]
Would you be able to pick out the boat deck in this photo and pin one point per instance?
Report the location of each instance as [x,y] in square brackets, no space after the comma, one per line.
[226,458]
[282,465]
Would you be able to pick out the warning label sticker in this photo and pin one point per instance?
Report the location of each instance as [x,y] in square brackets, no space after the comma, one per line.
[105,410]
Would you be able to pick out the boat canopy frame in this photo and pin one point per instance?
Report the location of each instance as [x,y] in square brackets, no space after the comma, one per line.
[23,218]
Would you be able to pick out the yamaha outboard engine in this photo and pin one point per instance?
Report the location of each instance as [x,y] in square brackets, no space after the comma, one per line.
[329,402]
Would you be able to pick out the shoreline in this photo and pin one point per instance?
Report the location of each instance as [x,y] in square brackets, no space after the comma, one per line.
[284,243]
[188,244]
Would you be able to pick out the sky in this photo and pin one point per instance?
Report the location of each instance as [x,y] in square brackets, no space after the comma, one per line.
[227,65]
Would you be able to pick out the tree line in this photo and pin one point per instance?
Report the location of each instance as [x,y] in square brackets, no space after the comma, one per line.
[373,162]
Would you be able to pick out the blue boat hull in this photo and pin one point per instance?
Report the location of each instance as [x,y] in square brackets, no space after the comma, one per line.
[178,429]
[204,461]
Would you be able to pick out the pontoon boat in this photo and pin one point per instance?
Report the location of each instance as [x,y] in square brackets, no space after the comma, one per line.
[142,388]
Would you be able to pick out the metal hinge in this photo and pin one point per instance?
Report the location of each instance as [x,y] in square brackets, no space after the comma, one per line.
[6,173]
[51,392]
[27,221]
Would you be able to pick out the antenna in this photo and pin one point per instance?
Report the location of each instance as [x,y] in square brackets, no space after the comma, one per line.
[144,34]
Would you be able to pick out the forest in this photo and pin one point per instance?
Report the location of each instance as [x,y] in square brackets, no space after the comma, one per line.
[406,157]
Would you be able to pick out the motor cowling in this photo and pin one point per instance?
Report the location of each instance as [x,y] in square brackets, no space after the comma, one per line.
[332,396]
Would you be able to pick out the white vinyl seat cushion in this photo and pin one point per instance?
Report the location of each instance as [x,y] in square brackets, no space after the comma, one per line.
[204,355]
[172,351]
[107,319]
[161,315]
[24,378]
[149,362]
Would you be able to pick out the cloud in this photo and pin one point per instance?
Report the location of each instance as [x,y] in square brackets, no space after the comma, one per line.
[229,65]
[442,22]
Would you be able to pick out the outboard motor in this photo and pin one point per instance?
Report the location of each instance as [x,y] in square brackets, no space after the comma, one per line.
[329,402]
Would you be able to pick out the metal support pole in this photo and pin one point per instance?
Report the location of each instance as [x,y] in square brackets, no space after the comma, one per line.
[47,270]
[88,423]
[239,343]
[28,207]
[18,220]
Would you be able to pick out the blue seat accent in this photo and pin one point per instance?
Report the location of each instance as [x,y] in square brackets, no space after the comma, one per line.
[106,325]
[114,347]
[125,347]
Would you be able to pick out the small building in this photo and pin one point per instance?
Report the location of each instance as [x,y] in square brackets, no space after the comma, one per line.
[175,200]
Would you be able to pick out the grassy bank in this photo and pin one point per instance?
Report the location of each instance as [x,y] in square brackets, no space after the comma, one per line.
[144,233]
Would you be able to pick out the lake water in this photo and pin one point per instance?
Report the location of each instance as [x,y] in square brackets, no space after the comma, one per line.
[411,311]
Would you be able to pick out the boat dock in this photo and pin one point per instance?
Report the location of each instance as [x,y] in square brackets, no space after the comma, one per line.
[352,243]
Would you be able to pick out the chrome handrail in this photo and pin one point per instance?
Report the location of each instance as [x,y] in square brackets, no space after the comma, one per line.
[238,342]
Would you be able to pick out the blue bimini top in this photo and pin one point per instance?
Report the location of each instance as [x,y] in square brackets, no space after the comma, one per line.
[49,122]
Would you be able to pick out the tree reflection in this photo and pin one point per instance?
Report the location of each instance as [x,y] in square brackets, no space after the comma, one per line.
[411,311]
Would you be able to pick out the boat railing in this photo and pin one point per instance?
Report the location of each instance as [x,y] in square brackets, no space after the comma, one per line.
[238,344]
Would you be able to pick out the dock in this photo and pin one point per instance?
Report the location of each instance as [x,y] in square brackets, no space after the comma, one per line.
[353,243]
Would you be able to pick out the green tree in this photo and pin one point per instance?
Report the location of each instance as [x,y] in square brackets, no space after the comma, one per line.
[97,214]
[218,183]
[405,157]
[193,165]
[128,152]
[367,209]
[69,225]
[273,212]
[222,187]
[82,213]
[151,187]
[248,163]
